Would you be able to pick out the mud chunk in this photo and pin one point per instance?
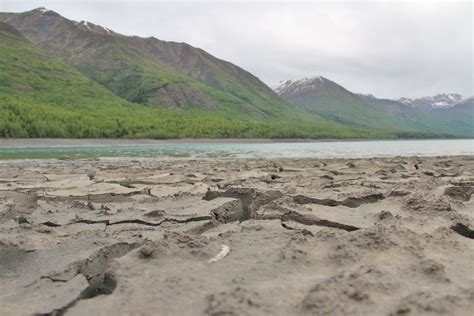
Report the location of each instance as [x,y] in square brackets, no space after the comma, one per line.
[229,212]
[424,302]
[385,215]
[146,252]
[460,193]
[91,174]
[351,202]
[185,240]
[344,294]
[399,193]
[155,214]
[421,205]
[274,176]
[238,301]
[434,269]
[251,199]
[22,220]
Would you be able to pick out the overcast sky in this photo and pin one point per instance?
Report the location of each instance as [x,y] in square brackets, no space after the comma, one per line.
[390,49]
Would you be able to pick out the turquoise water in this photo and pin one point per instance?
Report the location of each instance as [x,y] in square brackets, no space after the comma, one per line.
[336,149]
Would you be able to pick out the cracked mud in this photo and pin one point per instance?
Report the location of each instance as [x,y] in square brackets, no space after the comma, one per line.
[382,236]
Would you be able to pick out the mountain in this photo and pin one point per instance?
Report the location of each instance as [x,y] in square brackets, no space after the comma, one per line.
[323,97]
[43,96]
[391,106]
[64,78]
[330,100]
[148,70]
[439,101]
[445,113]
[32,84]
[458,118]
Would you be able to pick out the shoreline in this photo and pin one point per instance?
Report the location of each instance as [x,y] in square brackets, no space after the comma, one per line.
[108,142]
[46,161]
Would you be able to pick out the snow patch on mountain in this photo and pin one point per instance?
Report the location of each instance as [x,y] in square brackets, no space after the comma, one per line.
[292,87]
[94,28]
[42,9]
[438,101]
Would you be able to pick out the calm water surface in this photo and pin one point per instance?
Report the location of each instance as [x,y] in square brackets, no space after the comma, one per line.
[336,149]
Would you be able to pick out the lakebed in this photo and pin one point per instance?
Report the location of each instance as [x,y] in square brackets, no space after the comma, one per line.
[368,236]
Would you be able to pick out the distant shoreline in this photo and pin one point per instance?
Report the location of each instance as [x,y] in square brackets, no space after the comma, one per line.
[99,142]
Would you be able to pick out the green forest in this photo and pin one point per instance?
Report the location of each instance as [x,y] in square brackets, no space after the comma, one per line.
[41,96]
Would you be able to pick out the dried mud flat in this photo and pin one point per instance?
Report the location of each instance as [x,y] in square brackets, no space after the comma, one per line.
[385,236]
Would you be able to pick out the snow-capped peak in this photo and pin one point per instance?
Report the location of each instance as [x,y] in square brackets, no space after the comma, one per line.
[290,86]
[42,10]
[438,101]
[406,101]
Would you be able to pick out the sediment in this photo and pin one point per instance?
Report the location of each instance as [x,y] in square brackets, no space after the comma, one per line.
[380,236]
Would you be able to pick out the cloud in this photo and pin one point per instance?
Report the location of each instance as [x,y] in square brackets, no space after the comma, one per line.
[390,49]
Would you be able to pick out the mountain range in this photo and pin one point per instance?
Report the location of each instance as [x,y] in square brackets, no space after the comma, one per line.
[442,113]
[65,78]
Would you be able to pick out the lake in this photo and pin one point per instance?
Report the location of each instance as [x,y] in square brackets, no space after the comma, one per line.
[246,149]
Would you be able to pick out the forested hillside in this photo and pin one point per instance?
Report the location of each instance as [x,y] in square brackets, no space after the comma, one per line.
[40,96]
[327,99]
[63,78]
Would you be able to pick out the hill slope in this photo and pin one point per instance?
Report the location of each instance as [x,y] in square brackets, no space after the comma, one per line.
[458,118]
[41,96]
[329,100]
[447,113]
[439,101]
[147,70]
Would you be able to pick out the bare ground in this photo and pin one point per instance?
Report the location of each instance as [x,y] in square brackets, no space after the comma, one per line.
[391,236]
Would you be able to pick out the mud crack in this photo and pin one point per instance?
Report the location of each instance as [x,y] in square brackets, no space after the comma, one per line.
[463,230]
[95,270]
[351,202]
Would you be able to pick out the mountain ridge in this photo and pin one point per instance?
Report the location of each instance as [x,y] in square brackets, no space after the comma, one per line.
[437,101]
[148,70]
[42,96]
[171,90]
[328,99]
